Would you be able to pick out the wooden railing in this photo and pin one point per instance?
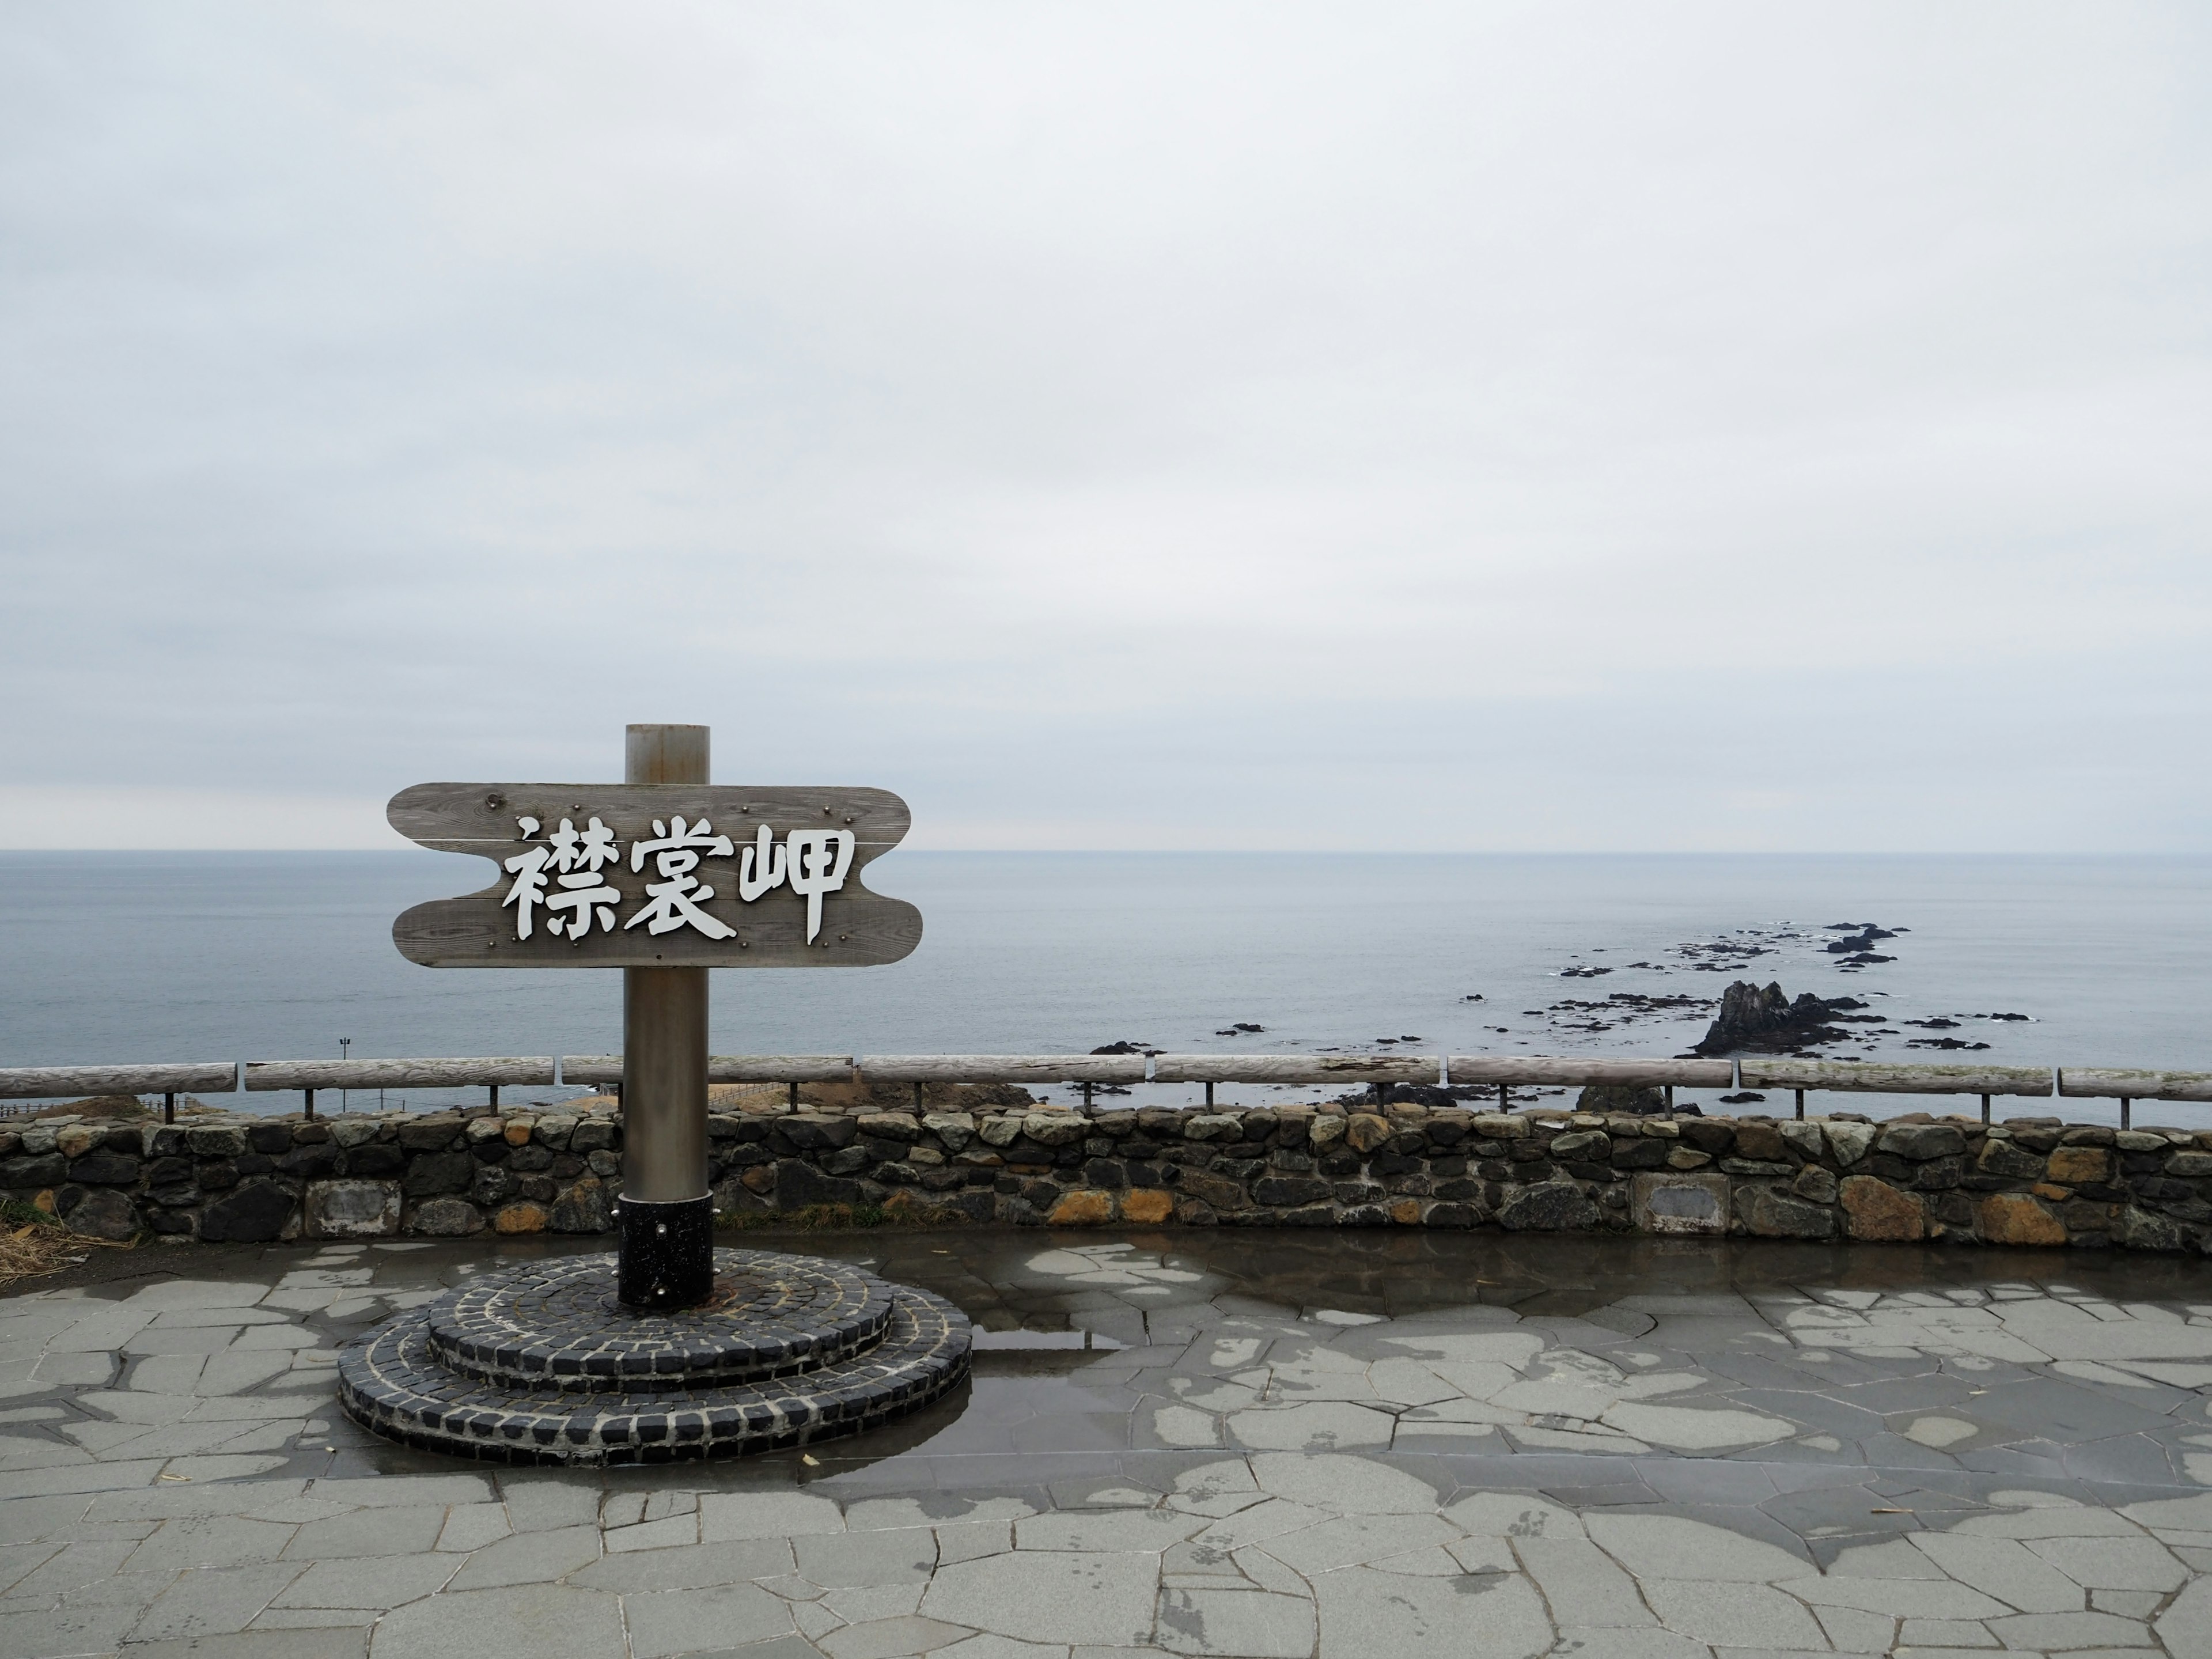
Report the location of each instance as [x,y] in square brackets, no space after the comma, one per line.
[1504,1071]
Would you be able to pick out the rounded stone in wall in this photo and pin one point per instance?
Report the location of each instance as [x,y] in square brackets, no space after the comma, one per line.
[445,1218]
[256,1212]
[351,1209]
[104,1214]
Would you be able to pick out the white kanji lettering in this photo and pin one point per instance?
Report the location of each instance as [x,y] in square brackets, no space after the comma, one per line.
[587,849]
[760,866]
[562,875]
[571,858]
[584,894]
[817,861]
[528,869]
[674,900]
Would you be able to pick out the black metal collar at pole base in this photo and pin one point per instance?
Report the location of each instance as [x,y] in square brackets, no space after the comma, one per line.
[664,1254]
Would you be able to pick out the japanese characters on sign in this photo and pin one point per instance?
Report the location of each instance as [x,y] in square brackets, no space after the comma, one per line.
[813,861]
[651,875]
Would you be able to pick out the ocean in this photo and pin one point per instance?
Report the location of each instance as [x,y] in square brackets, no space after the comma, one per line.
[144,956]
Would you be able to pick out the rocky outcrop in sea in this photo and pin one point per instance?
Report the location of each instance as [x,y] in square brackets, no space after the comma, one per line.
[1767,1021]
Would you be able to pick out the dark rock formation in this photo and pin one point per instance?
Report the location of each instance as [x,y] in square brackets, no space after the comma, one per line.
[1768,1021]
[1861,937]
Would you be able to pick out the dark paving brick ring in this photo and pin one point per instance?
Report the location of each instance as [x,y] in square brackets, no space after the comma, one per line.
[557,1324]
[394,1381]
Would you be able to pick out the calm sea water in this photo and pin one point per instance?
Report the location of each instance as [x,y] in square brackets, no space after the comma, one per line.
[157,957]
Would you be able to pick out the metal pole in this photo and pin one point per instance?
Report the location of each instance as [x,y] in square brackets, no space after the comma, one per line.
[666,1233]
[493,1088]
[2126,1111]
[1209,1097]
[310,1094]
[168,1108]
[794,1096]
[1985,1108]
[1800,1102]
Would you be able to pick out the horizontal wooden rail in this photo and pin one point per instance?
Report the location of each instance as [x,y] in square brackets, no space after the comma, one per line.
[1866,1077]
[723,1068]
[1296,1068]
[1759,1073]
[2094,1084]
[1534,1069]
[212,1076]
[1002,1069]
[264,1075]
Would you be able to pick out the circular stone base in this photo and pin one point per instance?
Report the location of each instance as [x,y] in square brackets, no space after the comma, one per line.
[396,1383]
[559,1324]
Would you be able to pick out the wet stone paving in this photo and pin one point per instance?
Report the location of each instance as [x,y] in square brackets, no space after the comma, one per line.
[1246,1444]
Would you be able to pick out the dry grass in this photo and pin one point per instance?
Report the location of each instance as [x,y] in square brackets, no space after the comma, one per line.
[34,1243]
[101,1106]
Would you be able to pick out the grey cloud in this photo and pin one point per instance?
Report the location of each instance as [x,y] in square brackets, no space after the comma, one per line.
[1214,425]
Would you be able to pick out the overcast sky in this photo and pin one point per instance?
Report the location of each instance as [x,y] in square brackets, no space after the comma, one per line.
[1116,426]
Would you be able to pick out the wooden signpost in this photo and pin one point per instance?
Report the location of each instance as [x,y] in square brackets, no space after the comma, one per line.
[663,876]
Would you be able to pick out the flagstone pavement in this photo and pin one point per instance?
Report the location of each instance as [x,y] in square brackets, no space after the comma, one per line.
[1231,1443]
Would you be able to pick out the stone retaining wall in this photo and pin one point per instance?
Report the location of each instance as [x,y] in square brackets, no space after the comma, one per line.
[2025,1182]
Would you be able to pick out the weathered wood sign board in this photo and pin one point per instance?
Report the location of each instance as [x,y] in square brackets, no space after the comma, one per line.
[661,875]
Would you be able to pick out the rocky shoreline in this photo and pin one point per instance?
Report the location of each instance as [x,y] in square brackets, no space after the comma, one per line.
[220,1177]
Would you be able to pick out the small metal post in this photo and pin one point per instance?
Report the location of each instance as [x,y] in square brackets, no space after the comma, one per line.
[1800,1102]
[1086,1096]
[310,1094]
[1382,1096]
[2126,1113]
[1670,1098]
[1209,1097]
[615,1089]
[917,1094]
[169,1108]
[794,1096]
[493,1088]
[1504,1097]
[1985,1108]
